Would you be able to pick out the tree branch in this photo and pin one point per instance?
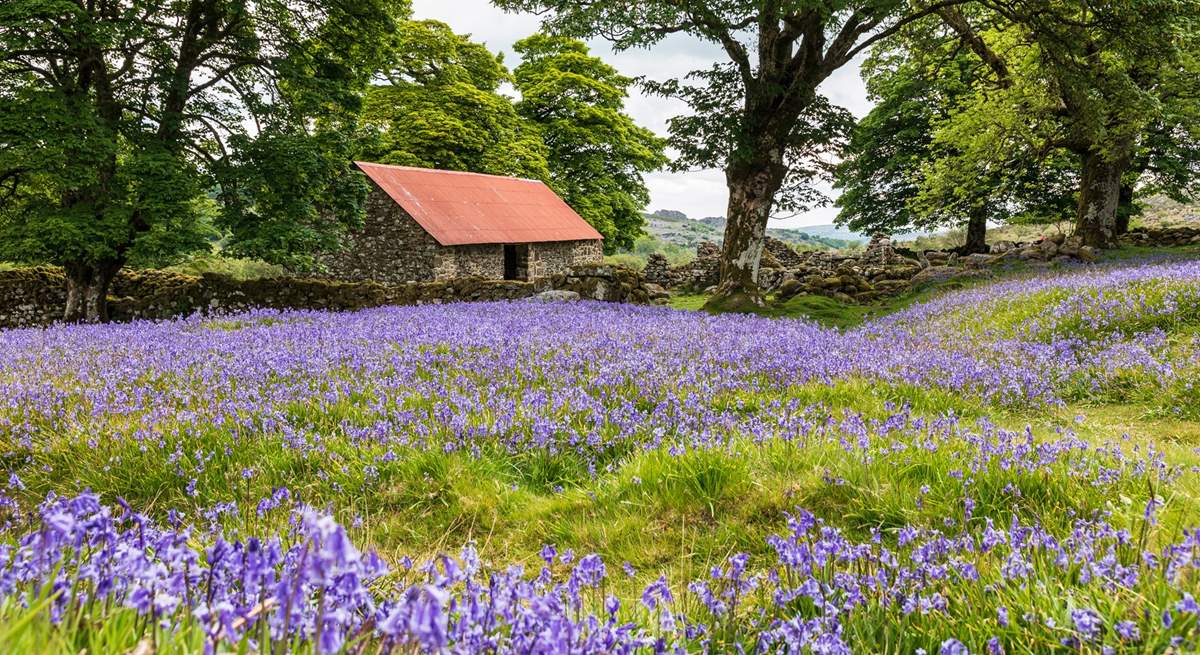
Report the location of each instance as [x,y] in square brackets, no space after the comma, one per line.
[900,24]
[955,20]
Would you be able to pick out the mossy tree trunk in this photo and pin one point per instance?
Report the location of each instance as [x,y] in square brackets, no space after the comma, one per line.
[976,232]
[87,291]
[752,188]
[1099,198]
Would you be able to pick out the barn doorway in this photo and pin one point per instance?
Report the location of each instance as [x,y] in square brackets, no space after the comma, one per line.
[516,261]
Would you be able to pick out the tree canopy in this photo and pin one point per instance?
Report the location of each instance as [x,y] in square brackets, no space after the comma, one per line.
[597,155]
[442,108]
[903,168]
[1093,83]
[117,117]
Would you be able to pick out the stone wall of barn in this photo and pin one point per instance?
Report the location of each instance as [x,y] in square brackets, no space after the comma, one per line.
[558,257]
[391,247]
[485,261]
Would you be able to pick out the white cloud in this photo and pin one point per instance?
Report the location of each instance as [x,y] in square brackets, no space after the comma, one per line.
[697,193]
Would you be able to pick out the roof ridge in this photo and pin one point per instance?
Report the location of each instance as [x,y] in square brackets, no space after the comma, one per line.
[360,164]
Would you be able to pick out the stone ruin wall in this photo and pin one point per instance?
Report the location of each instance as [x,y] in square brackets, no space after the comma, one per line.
[1160,237]
[882,270]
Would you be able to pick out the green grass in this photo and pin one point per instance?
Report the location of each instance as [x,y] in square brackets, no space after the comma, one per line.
[675,515]
[239,269]
[713,502]
[828,311]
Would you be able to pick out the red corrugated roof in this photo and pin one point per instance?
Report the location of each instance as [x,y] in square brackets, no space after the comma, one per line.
[469,208]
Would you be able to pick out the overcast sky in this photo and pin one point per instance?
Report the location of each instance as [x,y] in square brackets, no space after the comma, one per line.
[697,193]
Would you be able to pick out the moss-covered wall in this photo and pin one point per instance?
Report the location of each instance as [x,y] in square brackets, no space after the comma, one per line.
[35,296]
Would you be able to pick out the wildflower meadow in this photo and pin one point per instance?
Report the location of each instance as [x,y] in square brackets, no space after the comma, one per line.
[1006,468]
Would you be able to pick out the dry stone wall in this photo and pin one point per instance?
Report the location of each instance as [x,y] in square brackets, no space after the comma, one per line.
[36,296]
[1163,236]
[882,269]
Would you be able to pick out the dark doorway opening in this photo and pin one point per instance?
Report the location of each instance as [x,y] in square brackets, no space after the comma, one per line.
[516,261]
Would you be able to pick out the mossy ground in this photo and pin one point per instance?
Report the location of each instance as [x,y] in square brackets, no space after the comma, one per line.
[823,310]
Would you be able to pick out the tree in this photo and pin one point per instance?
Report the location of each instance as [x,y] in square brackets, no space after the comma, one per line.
[902,169]
[757,114]
[597,153]
[1099,78]
[1168,158]
[117,117]
[441,108]
[880,174]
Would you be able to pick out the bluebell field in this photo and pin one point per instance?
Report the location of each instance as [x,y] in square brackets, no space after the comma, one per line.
[1020,540]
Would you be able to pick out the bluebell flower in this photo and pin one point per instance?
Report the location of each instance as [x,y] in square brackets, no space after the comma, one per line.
[953,647]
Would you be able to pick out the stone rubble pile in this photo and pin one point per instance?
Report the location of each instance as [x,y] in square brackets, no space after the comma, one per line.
[1163,236]
[881,269]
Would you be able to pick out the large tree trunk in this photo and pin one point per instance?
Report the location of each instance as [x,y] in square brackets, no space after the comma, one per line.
[87,291]
[976,231]
[752,189]
[1099,196]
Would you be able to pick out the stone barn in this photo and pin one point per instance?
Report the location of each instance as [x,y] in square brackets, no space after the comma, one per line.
[424,224]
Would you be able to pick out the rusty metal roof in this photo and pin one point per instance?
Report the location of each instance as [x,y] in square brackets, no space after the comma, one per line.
[470,208]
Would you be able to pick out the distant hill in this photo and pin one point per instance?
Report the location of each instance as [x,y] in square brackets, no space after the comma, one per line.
[831,231]
[676,228]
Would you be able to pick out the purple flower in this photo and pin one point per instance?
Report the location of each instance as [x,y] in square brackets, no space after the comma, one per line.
[1188,605]
[1087,623]
[1128,631]
[953,647]
[655,592]
[590,570]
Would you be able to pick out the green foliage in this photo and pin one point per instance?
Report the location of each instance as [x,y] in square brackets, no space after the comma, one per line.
[116,118]
[757,112]
[1100,89]
[648,244]
[441,108]
[233,267]
[1168,159]
[296,196]
[597,153]
[902,171]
